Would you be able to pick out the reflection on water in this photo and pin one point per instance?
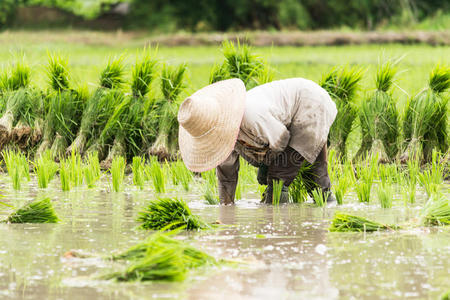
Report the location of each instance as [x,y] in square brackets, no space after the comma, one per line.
[286,252]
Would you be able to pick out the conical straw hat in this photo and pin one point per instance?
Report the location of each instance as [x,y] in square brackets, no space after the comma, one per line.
[209,124]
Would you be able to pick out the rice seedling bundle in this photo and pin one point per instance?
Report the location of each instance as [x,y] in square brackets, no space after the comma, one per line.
[436,211]
[124,127]
[181,175]
[191,256]
[276,193]
[302,184]
[45,169]
[319,197]
[425,123]
[431,179]
[342,86]
[64,175]
[91,170]
[118,172]
[210,187]
[64,107]
[379,118]
[137,168]
[156,174]
[99,107]
[385,195]
[18,99]
[166,109]
[343,222]
[34,212]
[167,213]
[366,171]
[17,167]
[241,63]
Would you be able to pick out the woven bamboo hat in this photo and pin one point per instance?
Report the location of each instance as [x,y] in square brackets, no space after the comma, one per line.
[209,124]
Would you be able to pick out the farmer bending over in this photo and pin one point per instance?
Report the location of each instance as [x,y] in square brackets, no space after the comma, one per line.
[276,127]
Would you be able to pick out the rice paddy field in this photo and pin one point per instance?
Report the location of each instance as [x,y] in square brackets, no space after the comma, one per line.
[75,227]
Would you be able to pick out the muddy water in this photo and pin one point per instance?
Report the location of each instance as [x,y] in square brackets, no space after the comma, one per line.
[286,252]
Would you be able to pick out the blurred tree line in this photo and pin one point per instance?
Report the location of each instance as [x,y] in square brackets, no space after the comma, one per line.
[223,15]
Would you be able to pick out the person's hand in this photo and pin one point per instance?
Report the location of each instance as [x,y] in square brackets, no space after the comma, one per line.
[262,174]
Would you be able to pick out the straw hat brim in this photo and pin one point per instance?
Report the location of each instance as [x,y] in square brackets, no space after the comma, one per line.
[209,150]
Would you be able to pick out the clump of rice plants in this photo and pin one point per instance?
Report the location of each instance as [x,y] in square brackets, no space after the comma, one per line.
[157,175]
[425,122]
[344,182]
[385,195]
[40,211]
[137,168]
[181,175]
[167,213]
[276,193]
[432,178]
[210,187]
[343,222]
[16,77]
[241,63]
[75,169]
[320,197]
[436,211]
[64,175]
[302,184]
[91,170]
[64,107]
[118,173]
[366,171]
[100,106]
[379,118]
[342,86]
[165,111]
[124,128]
[45,168]
[17,167]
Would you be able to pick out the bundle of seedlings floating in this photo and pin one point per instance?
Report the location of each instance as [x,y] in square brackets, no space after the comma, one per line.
[167,213]
[342,85]
[164,111]
[379,118]
[425,123]
[34,212]
[241,63]
[21,106]
[160,257]
[124,127]
[99,108]
[64,107]
[343,222]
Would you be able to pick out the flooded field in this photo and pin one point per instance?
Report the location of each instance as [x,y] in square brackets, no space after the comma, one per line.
[285,252]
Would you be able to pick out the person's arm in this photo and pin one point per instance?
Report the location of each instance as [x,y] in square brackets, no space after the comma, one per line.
[227,174]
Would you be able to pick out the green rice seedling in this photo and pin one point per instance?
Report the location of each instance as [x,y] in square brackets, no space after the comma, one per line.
[181,174]
[167,213]
[432,178]
[64,175]
[45,169]
[157,175]
[319,197]
[385,195]
[192,257]
[210,187]
[343,222]
[162,264]
[124,128]
[341,188]
[366,171]
[166,109]
[446,296]
[99,108]
[276,194]
[17,167]
[241,63]
[64,107]
[302,184]
[342,86]
[16,76]
[425,122]
[379,118]
[75,169]
[137,168]
[91,170]
[40,211]
[436,211]
[118,173]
